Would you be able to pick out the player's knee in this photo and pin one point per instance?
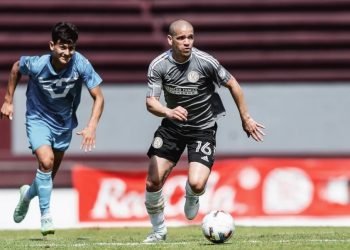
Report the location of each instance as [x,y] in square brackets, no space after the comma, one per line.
[46,163]
[197,186]
[153,186]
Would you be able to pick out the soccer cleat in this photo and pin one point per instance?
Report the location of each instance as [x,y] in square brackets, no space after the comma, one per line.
[155,238]
[22,206]
[47,225]
[191,207]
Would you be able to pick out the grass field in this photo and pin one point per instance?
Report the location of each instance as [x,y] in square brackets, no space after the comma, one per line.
[183,237]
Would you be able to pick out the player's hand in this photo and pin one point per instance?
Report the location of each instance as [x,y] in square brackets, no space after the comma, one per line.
[6,111]
[178,113]
[88,142]
[254,129]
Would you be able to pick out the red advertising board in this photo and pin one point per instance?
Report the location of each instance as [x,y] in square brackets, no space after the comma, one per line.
[243,187]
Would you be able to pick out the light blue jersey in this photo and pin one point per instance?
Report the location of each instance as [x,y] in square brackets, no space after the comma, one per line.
[54,97]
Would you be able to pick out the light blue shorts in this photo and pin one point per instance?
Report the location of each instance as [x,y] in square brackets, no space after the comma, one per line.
[39,134]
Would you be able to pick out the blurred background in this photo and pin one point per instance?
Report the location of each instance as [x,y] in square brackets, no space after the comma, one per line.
[291,58]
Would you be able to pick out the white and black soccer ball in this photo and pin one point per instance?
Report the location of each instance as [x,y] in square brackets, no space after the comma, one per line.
[218,226]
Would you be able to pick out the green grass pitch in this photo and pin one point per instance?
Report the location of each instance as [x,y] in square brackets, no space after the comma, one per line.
[262,238]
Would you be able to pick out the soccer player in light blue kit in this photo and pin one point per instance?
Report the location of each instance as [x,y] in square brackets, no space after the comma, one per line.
[53,95]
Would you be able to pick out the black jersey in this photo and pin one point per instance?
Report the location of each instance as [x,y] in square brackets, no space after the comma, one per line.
[191,84]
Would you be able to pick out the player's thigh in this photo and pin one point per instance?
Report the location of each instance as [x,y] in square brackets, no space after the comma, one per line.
[39,134]
[168,144]
[198,175]
[58,157]
[158,171]
[201,147]
[62,141]
[45,157]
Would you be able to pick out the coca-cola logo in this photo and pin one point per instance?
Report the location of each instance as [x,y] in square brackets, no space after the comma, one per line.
[244,188]
[114,201]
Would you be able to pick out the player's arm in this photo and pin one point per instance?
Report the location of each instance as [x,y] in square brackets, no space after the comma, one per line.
[251,127]
[155,107]
[89,132]
[7,106]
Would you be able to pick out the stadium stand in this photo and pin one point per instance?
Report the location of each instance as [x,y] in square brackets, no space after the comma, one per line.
[258,41]
[121,37]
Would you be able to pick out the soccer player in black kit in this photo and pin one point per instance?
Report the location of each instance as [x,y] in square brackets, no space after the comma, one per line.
[189,78]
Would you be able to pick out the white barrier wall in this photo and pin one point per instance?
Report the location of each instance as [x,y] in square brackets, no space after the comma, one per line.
[64,209]
[299,119]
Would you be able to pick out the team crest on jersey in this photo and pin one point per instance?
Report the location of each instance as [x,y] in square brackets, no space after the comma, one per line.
[58,88]
[157,142]
[193,76]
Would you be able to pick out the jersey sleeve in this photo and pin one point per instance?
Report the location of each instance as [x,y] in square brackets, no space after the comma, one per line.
[219,74]
[222,75]
[90,78]
[154,80]
[27,64]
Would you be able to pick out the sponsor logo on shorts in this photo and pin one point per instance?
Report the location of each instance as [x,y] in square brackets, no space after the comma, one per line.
[157,142]
[205,158]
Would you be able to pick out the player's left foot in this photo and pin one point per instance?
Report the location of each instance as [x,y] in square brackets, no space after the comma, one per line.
[22,206]
[47,225]
[191,207]
[155,238]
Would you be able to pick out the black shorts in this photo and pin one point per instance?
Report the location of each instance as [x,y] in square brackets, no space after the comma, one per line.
[169,142]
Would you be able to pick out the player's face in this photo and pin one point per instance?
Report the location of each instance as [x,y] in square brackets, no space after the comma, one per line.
[182,43]
[61,53]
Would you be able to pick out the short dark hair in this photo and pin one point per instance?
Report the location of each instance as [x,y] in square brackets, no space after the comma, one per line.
[65,32]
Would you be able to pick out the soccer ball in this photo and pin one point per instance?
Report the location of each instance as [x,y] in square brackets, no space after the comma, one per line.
[218,226]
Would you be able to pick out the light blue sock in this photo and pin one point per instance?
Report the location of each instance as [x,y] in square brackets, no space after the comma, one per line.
[43,182]
[32,192]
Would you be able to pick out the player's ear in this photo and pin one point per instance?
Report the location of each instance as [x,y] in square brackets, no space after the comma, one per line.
[51,45]
[170,40]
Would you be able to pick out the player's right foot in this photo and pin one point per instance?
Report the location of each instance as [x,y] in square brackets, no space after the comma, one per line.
[47,225]
[22,206]
[155,238]
[191,207]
